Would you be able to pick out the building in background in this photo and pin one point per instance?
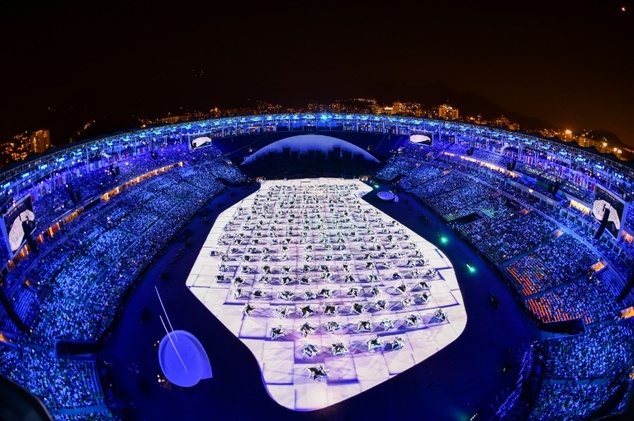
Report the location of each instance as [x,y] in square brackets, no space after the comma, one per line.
[446,112]
[40,141]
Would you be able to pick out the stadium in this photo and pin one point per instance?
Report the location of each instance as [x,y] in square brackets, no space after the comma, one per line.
[325,266]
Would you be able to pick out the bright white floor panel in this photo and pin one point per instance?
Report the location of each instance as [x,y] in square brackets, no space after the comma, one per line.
[331,295]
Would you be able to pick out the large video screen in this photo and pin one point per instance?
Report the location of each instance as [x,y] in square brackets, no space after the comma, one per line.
[19,222]
[423,137]
[606,200]
[199,140]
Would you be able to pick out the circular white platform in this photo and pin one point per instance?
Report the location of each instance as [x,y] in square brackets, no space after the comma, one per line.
[386,195]
[183,359]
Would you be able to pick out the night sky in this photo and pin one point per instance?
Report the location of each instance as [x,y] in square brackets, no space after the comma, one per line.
[568,63]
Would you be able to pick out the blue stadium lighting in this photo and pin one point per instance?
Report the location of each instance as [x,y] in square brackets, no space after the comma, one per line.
[65,170]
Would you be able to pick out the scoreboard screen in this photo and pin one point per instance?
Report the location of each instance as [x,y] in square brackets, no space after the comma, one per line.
[19,222]
[604,201]
[198,141]
[424,138]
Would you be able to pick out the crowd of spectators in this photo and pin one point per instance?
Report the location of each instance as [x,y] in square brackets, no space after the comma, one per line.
[616,284]
[419,175]
[407,159]
[601,353]
[590,299]
[81,286]
[460,202]
[514,236]
[510,222]
[543,177]
[88,414]
[81,279]
[569,400]
[587,299]
[585,225]
[73,287]
[584,371]
[490,211]
[553,263]
[547,250]
[395,166]
[60,383]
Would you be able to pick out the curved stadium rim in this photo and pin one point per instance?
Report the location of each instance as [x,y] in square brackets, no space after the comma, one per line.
[59,158]
[17,179]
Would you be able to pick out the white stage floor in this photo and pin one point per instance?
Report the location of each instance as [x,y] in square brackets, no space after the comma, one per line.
[331,295]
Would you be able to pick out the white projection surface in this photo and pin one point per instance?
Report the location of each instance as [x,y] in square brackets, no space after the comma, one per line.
[332,296]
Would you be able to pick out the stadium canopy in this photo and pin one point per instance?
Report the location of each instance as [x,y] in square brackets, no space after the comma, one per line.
[310,142]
